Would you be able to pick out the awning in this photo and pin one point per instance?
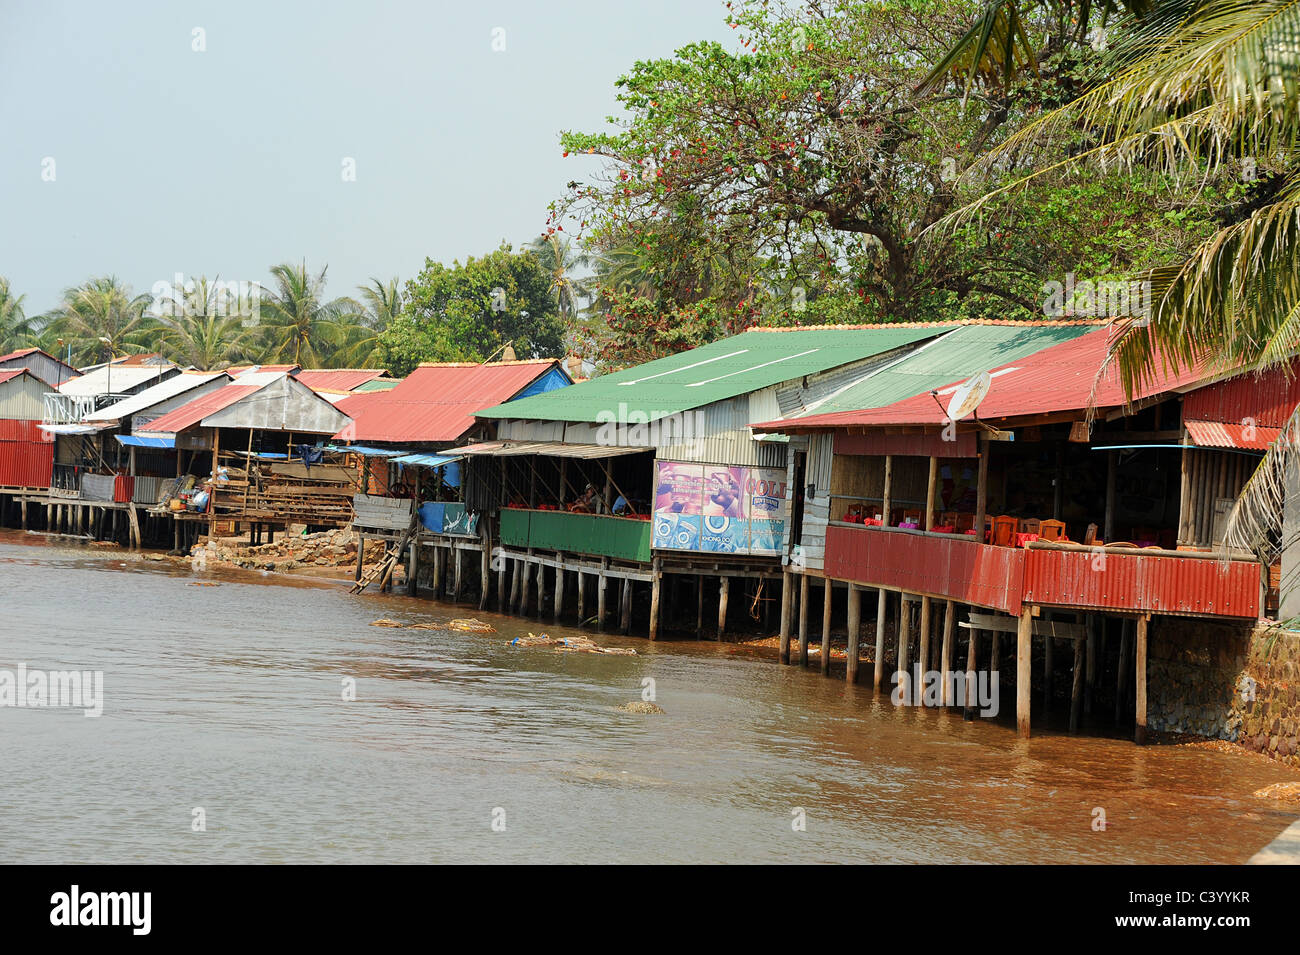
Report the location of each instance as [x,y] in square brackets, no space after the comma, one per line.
[140,441]
[1218,434]
[426,460]
[364,450]
[76,428]
[552,449]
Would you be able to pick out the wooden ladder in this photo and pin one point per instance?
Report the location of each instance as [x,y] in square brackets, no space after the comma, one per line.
[385,567]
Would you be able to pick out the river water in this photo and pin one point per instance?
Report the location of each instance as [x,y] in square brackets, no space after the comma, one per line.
[229,699]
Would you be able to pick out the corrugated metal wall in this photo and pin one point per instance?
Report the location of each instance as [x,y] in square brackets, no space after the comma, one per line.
[23,398]
[816,510]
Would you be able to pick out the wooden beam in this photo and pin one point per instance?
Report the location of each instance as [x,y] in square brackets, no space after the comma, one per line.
[724,587]
[1042,628]
[854,624]
[945,653]
[828,591]
[982,490]
[904,636]
[1024,646]
[803,614]
[931,485]
[923,650]
[972,672]
[787,597]
[656,585]
[887,492]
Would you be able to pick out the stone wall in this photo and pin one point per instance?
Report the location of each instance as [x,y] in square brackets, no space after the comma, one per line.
[1226,681]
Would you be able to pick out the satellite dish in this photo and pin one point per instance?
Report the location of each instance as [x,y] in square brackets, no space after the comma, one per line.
[968,396]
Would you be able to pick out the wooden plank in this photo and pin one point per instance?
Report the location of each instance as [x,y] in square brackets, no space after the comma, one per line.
[1024,636]
[1041,628]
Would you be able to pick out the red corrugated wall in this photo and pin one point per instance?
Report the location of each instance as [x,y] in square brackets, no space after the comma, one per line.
[1142,582]
[26,454]
[1269,399]
[939,566]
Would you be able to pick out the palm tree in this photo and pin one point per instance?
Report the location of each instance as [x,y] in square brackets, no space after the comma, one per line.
[203,324]
[298,324]
[380,303]
[16,329]
[102,319]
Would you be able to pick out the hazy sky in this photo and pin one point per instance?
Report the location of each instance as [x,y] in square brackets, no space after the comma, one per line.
[227,161]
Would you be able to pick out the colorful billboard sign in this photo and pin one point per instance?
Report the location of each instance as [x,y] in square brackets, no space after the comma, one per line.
[719,509]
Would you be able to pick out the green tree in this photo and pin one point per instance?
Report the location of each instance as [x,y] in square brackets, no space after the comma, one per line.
[380,302]
[102,319]
[298,323]
[204,324]
[16,329]
[470,312]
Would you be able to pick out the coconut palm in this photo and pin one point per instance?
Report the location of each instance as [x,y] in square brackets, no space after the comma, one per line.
[102,319]
[298,324]
[557,256]
[380,302]
[16,329]
[205,324]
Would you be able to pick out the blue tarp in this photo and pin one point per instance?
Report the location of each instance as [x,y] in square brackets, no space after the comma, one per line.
[135,441]
[553,379]
[365,450]
[426,460]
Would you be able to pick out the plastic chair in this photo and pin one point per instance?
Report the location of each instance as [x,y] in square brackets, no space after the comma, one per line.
[1005,529]
[1051,530]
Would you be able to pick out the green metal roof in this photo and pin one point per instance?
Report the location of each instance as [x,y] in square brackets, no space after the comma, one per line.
[723,369]
[965,351]
[377,384]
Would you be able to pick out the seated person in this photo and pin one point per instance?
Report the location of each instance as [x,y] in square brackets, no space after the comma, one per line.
[621,506]
[588,503]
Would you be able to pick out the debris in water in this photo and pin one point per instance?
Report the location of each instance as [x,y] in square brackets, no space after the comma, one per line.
[641,706]
[204,583]
[470,625]
[1287,792]
[385,622]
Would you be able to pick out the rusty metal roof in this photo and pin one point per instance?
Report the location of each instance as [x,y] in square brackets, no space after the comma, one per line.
[190,414]
[436,402]
[338,379]
[1218,434]
[1063,377]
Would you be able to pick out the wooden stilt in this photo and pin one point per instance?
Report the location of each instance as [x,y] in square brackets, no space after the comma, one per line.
[1140,675]
[972,673]
[602,585]
[582,597]
[787,597]
[724,587]
[904,638]
[527,579]
[455,594]
[854,626]
[828,593]
[923,651]
[361,556]
[1090,670]
[945,653]
[882,607]
[1023,670]
[803,614]
[626,606]
[558,608]
[412,567]
[1048,643]
[656,585]
[699,606]
[1076,688]
[1121,679]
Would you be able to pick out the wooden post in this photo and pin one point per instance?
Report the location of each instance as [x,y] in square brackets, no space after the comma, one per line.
[1185,495]
[135,524]
[455,594]
[803,614]
[361,553]
[528,583]
[724,586]
[656,584]
[412,566]
[1121,679]
[699,606]
[1076,689]
[626,606]
[982,491]
[558,608]
[541,588]
[1112,469]
[945,654]
[923,651]
[24,512]
[828,592]
[1047,672]
[854,625]
[887,492]
[602,585]
[882,607]
[501,584]
[904,637]
[1024,647]
[1090,672]
[787,596]
[972,663]
[485,570]
[1140,674]
[930,487]
[582,596]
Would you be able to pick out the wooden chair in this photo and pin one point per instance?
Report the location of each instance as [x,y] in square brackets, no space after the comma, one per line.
[1031,525]
[912,517]
[1005,529]
[1052,530]
[948,519]
[1090,536]
[964,523]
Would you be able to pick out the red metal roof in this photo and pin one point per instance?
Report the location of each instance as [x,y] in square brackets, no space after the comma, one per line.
[436,402]
[1062,377]
[7,373]
[1266,399]
[1216,434]
[22,352]
[190,414]
[337,379]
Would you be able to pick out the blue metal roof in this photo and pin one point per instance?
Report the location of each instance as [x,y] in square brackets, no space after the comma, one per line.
[427,460]
[136,441]
[365,450]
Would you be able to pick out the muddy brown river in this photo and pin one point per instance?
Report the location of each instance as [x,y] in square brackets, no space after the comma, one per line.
[226,705]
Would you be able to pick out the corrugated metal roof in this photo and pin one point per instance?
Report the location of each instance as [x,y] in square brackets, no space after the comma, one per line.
[190,414]
[140,441]
[21,353]
[436,402]
[723,369]
[338,379]
[1266,399]
[8,373]
[1062,377]
[1216,434]
[955,356]
[554,449]
[163,391]
[378,384]
[117,379]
